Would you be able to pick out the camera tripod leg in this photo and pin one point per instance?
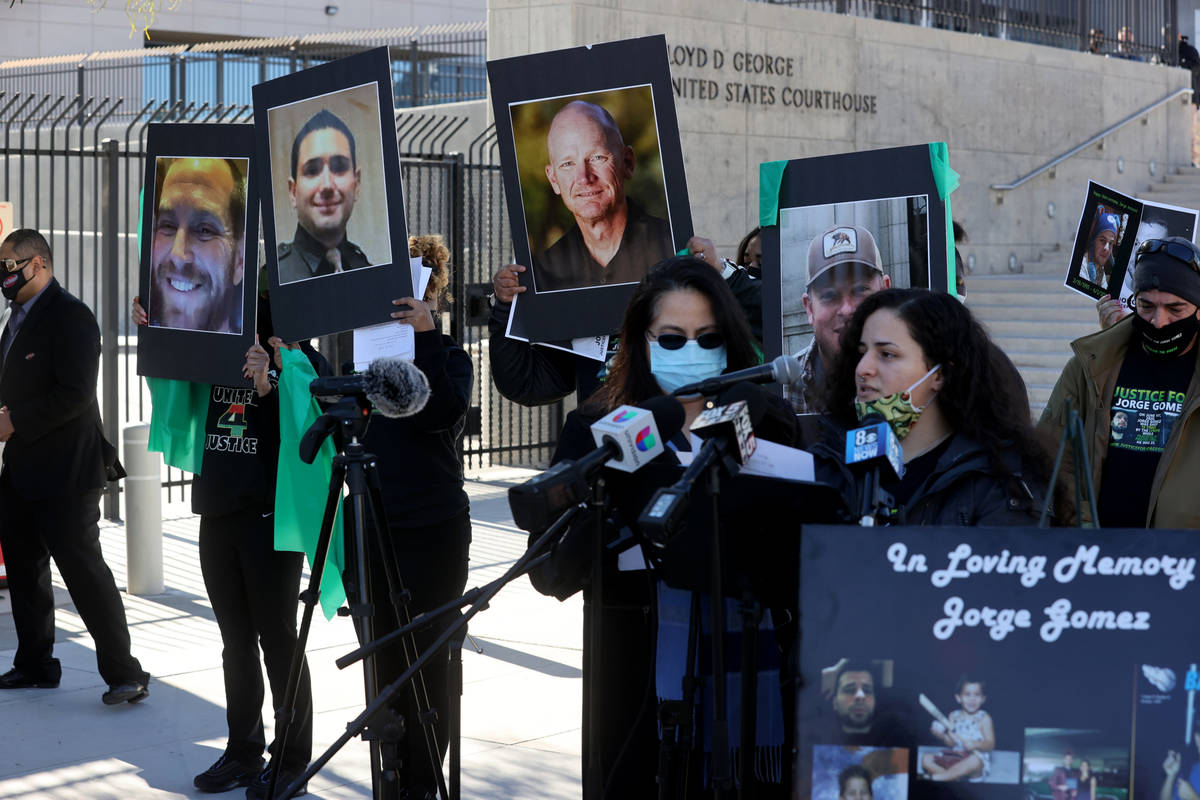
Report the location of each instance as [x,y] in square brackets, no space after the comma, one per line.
[309,597]
[400,599]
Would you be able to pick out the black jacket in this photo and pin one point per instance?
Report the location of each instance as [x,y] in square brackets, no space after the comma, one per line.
[419,468]
[49,386]
[536,376]
[963,489]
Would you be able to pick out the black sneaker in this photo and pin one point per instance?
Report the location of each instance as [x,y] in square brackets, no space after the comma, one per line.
[257,788]
[227,773]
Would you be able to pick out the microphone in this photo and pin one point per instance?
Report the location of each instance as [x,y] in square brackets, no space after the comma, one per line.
[784,369]
[397,388]
[873,451]
[627,438]
[729,437]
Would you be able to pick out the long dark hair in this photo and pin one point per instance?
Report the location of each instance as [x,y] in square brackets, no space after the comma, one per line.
[629,377]
[982,395]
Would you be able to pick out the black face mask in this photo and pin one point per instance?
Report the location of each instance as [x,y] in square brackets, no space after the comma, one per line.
[13,283]
[1169,340]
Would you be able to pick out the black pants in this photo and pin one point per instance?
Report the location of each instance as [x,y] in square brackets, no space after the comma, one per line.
[432,564]
[65,528]
[254,591]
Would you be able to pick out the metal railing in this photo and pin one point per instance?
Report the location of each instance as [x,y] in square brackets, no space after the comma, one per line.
[1111,129]
[1142,30]
[73,168]
[430,65]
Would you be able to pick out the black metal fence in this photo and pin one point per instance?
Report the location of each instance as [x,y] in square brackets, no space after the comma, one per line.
[1143,30]
[74,172]
[435,64]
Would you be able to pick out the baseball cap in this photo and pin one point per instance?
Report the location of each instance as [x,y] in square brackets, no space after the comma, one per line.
[842,244]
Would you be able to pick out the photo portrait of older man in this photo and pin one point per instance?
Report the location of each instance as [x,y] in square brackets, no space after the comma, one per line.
[197,253]
[613,239]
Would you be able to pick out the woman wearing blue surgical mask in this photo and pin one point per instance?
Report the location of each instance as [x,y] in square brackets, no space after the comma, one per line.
[682,325]
[919,360]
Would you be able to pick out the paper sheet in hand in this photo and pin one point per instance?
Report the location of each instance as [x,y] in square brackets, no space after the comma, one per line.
[387,339]
[770,460]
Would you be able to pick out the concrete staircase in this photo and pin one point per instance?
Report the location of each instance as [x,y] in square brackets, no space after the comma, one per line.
[1180,187]
[1033,318]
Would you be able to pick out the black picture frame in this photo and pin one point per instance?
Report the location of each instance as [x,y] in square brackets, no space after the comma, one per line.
[187,353]
[356,297]
[853,179]
[1127,211]
[558,77]
[1158,220]
[1071,674]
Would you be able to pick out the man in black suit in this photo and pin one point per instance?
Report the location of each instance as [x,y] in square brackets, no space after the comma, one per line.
[53,473]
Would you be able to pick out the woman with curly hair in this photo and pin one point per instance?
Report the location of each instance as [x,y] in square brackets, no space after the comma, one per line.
[922,362]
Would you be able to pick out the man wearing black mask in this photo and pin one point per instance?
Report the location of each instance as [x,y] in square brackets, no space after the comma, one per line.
[1143,368]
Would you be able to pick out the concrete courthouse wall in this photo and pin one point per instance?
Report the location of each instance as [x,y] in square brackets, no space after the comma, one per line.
[757,82]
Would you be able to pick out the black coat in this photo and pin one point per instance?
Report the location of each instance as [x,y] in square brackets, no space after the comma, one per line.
[964,488]
[48,384]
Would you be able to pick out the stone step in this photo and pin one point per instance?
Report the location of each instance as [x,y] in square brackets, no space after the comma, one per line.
[1024,343]
[1062,331]
[1053,361]
[1192,178]
[1188,170]
[1171,190]
[1031,312]
[1045,298]
[1041,376]
[1039,394]
[1042,284]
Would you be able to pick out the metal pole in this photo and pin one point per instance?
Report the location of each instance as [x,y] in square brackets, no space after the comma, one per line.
[110,305]
[143,512]
[414,73]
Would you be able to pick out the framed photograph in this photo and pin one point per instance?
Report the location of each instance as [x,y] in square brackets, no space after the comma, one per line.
[1019,666]
[593,172]
[1158,222]
[333,203]
[198,266]
[870,216]
[1103,241]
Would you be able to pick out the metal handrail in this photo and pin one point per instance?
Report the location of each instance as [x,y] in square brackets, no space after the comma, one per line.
[1000,187]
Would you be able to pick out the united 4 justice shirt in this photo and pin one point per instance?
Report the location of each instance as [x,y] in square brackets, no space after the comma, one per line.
[241,451]
[1146,404]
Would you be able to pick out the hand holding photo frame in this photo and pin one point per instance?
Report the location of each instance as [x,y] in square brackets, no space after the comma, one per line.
[199,252]
[333,202]
[880,215]
[593,172]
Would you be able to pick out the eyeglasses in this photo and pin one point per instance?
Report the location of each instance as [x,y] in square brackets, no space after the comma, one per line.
[13,264]
[1176,250]
[674,341]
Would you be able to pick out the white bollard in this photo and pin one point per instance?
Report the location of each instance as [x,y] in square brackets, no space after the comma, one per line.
[143,512]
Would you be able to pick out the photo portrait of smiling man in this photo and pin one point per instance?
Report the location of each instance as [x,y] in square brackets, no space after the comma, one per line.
[197,253]
[613,239]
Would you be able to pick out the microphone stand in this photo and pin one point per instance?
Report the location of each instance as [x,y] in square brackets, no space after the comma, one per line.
[1074,434]
[379,705]
[596,768]
[356,469]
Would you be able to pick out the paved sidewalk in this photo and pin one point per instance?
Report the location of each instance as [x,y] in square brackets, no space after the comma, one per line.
[521,703]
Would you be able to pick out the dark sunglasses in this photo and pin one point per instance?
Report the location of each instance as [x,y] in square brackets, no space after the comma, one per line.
[1176,250]
[675,341]
[13,264]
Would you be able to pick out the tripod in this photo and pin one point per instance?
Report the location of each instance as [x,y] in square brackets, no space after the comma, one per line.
[356,469]
[1073,433]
